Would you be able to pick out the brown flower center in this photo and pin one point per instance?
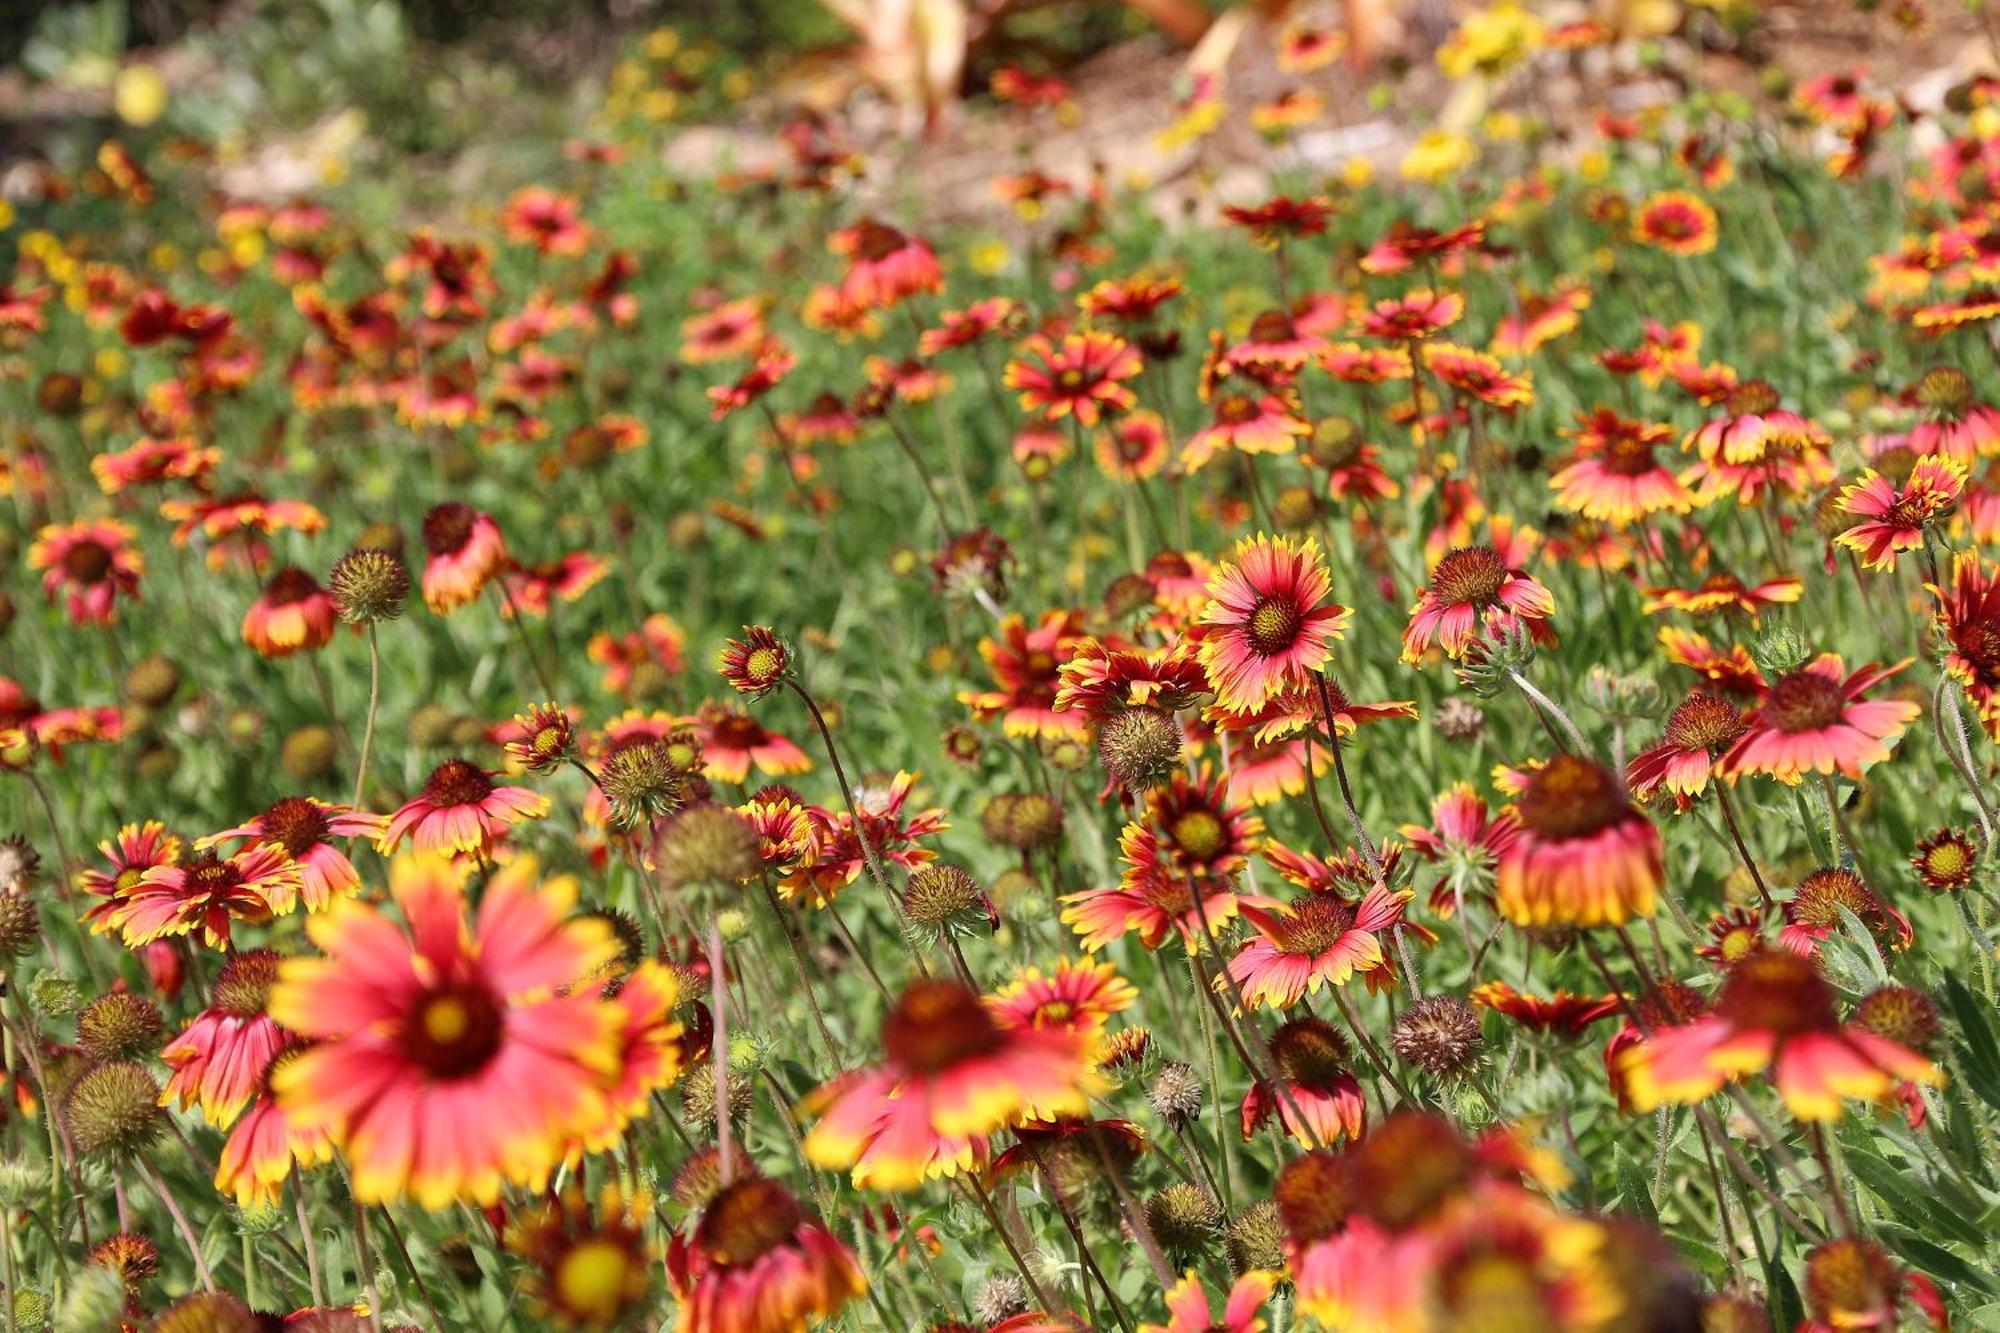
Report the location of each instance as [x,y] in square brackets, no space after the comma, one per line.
[454,1031]
[1628,454]
[1407,1167]
[1234,409]
[1703,721]
[1273,326]
[1470,575]
[290,585]
[1310,1052]
[88,562]
[877,241]
[748,1219]
[1313,1196]
[1778,992]
[296,824]
[1752,396]
[448,527]
[937,1025]
[1572,798]
[457,782]
[1804,701]
[243,987]
[1314,925]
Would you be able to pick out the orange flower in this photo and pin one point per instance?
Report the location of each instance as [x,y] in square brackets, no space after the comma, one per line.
[460,810]
[1899,518]
[466,551]
[1815,720]
[95,562]
[1250,423]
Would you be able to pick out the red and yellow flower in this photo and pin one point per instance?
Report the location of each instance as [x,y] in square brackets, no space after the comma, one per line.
[1816,720]
[303,828]
[460,811]
[1775,1012]
[95,563]
[451,1057]
[1268,625]
[1581,856]
[757,1263]
[1894,518]
[1082,376]
[951,1075]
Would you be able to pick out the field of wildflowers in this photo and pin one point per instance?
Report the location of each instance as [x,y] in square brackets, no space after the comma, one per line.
[1414,750]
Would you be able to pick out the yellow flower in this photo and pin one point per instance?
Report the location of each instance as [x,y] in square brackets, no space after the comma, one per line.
[988,258]
[662,43]
[1594,165]
[1437,155]
[139,95]
[1491,41]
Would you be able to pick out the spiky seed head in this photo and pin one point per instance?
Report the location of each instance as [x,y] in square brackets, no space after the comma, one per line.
[642,783]
[152,681]
[999,1299]
[369,585]
[307,754]
[113,1110]
[943,899]
[707,845]
[1900,1014]
[1140,747]
[19,925]
[1255,1238]
[1184,1216]
[119,1026]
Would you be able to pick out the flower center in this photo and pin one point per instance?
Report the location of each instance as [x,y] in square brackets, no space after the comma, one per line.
[448,527]
[1945,390]
[1071,377]
[88,562]
[1273,326]
[1822,894]
[1309,1052]
[878,241]
[1470,575]
[1777,992]
[937,1025]
[1628,454]
[763,664]
[296,824]
[747,1220]
[1407,1167]
[1572,798]
[1850,1279]
[1198,835]
[1274,625]
[1494,1292]
[1946,861]
[243,987]
[289,586]
[1235,409]
[457,782]
[593,1278]
[1752,397]
[1804,701]
[1979,643]
[1313,1196]
[210,874]
[1703,721]
[1315,925]
[454,1031]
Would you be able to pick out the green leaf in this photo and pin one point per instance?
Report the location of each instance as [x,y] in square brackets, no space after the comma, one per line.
[1634,1190]
[1937,1261]
[1909,1199]
[1980,1049]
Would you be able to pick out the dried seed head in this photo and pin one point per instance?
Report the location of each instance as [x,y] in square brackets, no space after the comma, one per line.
[1175,1093]
[307,754]
[1001,1298]
[1439,1035]
[642,783]
[152,680]
[943,899]
[19,926]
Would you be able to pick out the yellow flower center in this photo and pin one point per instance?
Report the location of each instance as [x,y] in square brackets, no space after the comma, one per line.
[592,1280]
